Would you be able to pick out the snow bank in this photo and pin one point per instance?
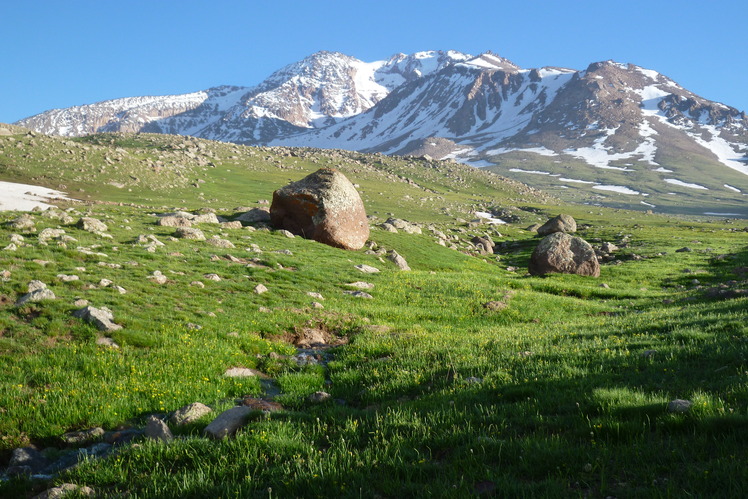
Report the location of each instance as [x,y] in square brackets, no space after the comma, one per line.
[23,197]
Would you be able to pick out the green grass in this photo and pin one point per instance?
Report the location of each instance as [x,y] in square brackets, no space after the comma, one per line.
[551,396]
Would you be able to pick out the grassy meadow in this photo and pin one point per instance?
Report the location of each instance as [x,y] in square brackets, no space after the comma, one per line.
[562,391]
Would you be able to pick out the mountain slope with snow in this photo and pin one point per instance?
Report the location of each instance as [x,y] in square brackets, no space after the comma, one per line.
[613,133]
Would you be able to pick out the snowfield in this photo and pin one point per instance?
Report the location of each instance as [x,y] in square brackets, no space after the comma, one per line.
[24,197]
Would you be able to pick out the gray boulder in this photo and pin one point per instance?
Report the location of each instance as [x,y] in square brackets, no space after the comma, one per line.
[323,206]
[155,429]
[561,223]
[565,254]
[102,318]
[255,215]
[189,233]
[227,423]
[398,260]
[189,413]
[37,292]
[92,225]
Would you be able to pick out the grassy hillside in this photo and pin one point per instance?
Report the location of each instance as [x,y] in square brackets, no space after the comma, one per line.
[561,390]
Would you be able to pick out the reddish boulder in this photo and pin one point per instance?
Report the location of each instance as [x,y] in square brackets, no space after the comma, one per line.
[564,254]
[323,206]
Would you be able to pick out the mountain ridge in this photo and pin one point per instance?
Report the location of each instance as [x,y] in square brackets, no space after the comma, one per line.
[621,134]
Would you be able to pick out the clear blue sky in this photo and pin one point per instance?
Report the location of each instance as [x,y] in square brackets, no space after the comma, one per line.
[64,53]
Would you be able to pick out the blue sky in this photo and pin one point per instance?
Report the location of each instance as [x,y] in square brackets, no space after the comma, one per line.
[59,54]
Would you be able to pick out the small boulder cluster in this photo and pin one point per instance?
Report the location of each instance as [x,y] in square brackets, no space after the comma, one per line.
[560,252]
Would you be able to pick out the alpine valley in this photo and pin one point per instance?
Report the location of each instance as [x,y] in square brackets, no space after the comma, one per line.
[612,134]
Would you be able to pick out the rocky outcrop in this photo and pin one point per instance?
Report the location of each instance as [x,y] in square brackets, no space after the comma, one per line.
[323,206]
[565,254]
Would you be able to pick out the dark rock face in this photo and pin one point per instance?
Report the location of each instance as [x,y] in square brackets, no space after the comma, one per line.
[561,223]
[323,206]
[565,254]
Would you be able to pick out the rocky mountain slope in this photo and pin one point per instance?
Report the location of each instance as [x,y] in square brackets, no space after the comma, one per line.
[611,134]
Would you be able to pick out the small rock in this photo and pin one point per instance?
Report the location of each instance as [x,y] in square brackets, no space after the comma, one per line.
[239,372]
[316,295]
[92,225]
[679,406]
[286,233]
[189,233]
[28,456]
[220,243]
[83,437]
[360,285]
[156,429]
[604,285]
[260,288]
[197,284]
[189,413]
[366,269]
[102,318]
[319,397]
[37,292]
[65,490]
[317,305]
[398,260]
[684,250]
[358,294]
[158,277]
[174,221]
[495,306]
[212,277]
[107,342]
[263,405]
[227,423]
[67,278]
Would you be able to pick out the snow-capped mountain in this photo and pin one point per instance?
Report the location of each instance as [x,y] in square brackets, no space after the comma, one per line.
[617,131]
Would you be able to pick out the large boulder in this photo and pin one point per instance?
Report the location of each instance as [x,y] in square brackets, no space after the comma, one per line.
[561,223]
[565,254]
[323,206]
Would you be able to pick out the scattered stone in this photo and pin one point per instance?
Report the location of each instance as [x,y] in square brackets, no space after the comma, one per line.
[562,253]
[366,269]
[287,233]
[92,225]
[317,305]
[189,233]
[37,292]
[358,294]
[5,275]
[257,404]
[83,437]
[360,285]
[679,406]
[25,223]
[107,342]
[495,306]
[403,225]
[220,243]
[197,284]
[260,288]
[189,414]
[206,218]
[158,277]
[604,286]
[227,423]
[319,397]
[684,250]
[240,372]
[102,318]
[231,225]
[323,206]
[609,248]
[48,233]
[174,221]
[316,295]
[193,327]
[561,223]
[67,278]
[156,429]
[398,260]
[255,215]
[29,457]
[212,277]
[66,490]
